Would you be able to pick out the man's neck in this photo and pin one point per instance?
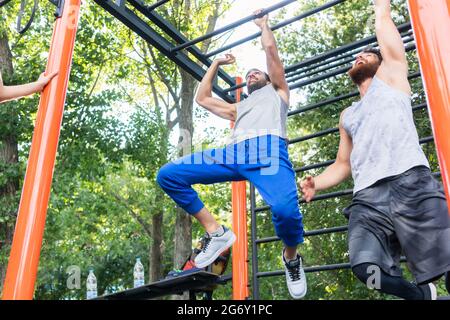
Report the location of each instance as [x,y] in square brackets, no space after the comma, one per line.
[363,87]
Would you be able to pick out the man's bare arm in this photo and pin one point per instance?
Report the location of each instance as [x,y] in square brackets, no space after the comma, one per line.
[204,96]
[394,68]
[275,67]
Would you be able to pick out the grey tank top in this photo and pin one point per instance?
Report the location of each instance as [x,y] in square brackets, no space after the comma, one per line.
[385,139]
[262,113]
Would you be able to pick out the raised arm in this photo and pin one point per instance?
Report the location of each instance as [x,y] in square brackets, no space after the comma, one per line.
[336,173]
[275,67]
[394,67]
[13,92]
[204,96]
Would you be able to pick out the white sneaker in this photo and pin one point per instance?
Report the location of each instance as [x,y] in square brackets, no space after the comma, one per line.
[213,247]
[295,277]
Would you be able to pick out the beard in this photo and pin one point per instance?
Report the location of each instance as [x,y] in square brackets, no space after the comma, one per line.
[361,73]
[256,85]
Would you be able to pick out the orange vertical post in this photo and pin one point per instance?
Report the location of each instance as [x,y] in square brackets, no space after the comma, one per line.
[431,24]
[240,247]
[26,247]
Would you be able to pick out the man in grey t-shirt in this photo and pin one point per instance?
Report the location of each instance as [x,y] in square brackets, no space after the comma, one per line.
[397,205]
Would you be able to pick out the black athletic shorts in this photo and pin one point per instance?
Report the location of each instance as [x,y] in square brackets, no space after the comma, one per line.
[404,214]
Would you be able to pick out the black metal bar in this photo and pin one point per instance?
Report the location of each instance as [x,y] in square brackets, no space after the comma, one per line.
[402,28]
[254,237]
[348,58]
[140,27]
[329,267]
[337,99]
[338,266]
[172,32]
[302,73]
[330,162]
[331,73]
[325,66]
[314,135]
[334,130]
[324,103]
[231,26]
[320,78]
[4,2]
[316,198]
[337,194]
[408,35]
[156,5]
[278,26]
[307,234]
[314,166]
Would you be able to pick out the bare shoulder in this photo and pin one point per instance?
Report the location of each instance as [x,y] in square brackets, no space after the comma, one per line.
[396,76]
[342,116]
[284,95]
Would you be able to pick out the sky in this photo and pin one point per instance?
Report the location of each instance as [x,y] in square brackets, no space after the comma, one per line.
[248,55]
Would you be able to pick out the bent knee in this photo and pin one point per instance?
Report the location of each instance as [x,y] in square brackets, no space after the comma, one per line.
[285,211]
[165,174]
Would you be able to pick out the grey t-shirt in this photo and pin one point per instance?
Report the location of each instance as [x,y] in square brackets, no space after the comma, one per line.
[385,139]
[262,113]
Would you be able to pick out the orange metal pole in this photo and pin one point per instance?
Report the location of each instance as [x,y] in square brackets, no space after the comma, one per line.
[431,24]
[240,247]
[26,247]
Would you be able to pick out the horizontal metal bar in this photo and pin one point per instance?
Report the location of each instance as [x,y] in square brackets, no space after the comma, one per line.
[314,135]
[296,72]
[334,130]
[301,74]
[338,266]
[324,103]
[329,267]
[320,78]
[408,37]
[172,32]
[330,64]
[156,5]
[341,193]
[224,279]
[316,198]
[402,28]
[331,73]
[141,28]
[231,26]
[307,234]
[330,162]
[338,99]
[278,26]
[315,166]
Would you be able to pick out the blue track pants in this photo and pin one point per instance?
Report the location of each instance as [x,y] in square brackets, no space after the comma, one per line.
[263,160]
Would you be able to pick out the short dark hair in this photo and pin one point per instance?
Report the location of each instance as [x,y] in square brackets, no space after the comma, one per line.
[254,69]
[373,50]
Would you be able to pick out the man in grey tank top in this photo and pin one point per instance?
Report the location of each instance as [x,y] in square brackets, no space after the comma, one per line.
[256,151]
[397,204]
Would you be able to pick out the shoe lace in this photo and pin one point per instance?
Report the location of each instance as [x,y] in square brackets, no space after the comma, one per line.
[206,242]
[294,271]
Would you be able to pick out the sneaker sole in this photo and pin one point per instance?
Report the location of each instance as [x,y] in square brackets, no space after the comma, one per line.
[303,294]
[433,292]
[299,296]
[217,254]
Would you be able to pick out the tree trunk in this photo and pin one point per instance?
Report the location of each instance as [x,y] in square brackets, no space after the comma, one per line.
[183,224]
[9,156]
[156,252]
